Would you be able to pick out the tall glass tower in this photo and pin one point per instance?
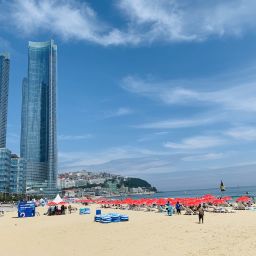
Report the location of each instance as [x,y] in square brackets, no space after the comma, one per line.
[38,118]
[4,86]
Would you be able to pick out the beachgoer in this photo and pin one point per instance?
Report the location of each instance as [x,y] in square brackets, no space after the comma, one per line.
[62,209]
[69,209]
[52,210]
[170,210]
[200,213]
[55,209]
[178,208]
[167,205]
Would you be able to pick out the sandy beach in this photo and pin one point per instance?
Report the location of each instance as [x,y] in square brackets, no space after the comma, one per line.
[147,233]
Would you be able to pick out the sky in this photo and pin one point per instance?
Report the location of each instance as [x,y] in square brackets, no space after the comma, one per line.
[162,90]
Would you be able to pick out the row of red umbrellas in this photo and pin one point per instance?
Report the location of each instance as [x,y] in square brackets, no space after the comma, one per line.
[173,201]
[162,201]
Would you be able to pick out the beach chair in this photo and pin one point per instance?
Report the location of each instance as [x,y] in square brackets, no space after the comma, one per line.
[160,209]
[189,211]
[209,209]
[229,210]
[239,207]
[149,209]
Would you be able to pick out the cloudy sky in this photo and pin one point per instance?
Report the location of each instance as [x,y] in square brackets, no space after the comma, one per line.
[164,90]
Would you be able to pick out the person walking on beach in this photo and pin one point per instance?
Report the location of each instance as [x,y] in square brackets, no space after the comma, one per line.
[200,213]
[69,209]
[178,208]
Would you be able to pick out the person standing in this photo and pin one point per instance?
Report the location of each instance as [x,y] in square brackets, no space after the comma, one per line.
[62,209]
[169,210]
[178,208]
[69,209]
[200,213]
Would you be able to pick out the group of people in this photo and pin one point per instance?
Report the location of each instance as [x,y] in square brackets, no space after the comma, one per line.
[55,210]
[178,206]
[169,208]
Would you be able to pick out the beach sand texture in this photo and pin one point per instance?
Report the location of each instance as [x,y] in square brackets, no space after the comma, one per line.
[147,233]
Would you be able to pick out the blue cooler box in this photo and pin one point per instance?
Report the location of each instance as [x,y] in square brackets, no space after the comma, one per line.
[84,211]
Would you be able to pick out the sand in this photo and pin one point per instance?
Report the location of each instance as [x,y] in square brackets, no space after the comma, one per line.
[147,233]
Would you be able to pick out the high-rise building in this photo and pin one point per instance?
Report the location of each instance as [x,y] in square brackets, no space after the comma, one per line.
[4,86]
[5,169]
[11,172]
[17,181]
[38,119]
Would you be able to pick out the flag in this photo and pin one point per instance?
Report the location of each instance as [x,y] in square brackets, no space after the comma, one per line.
[222,187]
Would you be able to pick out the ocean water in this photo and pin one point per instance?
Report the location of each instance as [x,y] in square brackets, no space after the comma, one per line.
[232,191]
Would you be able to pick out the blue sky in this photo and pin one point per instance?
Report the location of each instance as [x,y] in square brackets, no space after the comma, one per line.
[164,90]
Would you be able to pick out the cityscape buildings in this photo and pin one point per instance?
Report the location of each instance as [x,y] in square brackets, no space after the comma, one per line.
[38,118]
[12,170]
[5,154]
[17,175]
[4,86]
[5,167]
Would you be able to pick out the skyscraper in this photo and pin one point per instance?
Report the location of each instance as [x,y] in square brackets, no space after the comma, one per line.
[5,169]
[4,86]
[38,119]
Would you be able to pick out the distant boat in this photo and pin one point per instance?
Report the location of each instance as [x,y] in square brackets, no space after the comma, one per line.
[222,187]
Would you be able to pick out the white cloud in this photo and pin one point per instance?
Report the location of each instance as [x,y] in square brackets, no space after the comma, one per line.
[203,157]
[198,142]
[123,111]
[179,20]
[144,21]
[152,136]
[65,18]
[238,95]
[179,123]
[243,133]
[125,160]
[75,137]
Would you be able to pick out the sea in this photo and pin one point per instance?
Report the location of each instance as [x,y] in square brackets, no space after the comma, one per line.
[230,191]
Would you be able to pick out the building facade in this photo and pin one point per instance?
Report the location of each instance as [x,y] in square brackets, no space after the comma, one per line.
[4,87]
[17,175]
[38,118]
[5,169]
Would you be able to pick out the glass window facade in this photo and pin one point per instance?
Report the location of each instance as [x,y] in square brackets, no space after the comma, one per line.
[38,124]
[4,87]
[5,168]
[17,179]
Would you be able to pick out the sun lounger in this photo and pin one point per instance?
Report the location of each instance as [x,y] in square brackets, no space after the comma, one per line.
[239,207]
[161,209]
[223,210]
[189,211]
[251,208]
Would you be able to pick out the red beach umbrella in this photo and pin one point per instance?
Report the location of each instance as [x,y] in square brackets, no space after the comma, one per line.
[161,201]
[51,204]
[218,201]
[243,199]
[62,203]
[227,198]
